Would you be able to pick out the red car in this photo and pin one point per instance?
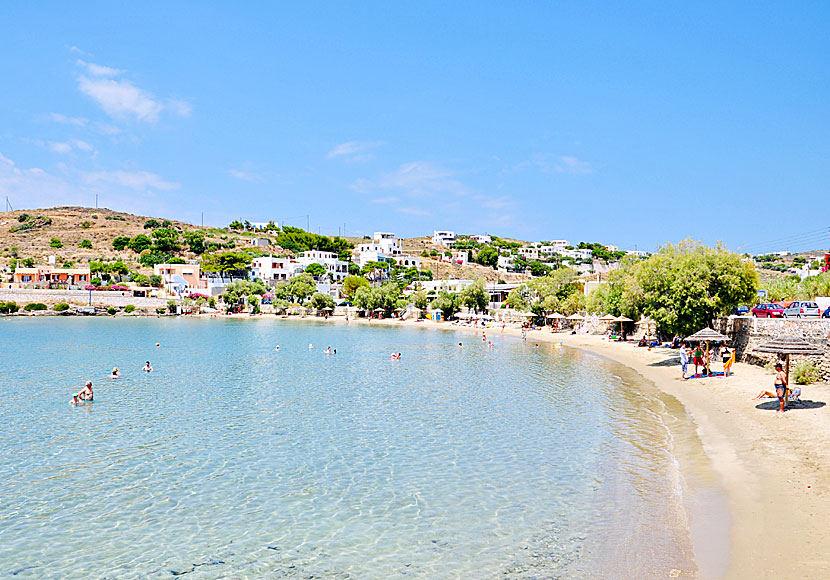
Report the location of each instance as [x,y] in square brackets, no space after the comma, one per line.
[768,311]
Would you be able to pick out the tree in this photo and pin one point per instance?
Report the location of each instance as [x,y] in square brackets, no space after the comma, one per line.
[320,301]
[237,225]
[243,289]
[121,242]
[139,243]
[297,289]
[488,256]
[447,303]
[354,269]
[139,279]
[166,240]
[351,284]
[196,241]
[684,287]
[316,270]
[151,224]
[538,268]
[475,296]
[86,244]
[387,297]
[420,299]
[227,263]
[155,280]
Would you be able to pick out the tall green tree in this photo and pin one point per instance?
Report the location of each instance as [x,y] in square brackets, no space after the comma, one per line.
[684,287]
[447,303]
[351,284]
[297,289]
[475,296]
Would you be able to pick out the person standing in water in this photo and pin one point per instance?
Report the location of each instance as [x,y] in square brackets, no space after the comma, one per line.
[84,395]
[147,368]
[115,374]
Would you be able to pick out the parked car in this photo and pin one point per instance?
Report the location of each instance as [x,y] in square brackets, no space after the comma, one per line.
[742,310]
[826,313]
[802,309]
[769,310]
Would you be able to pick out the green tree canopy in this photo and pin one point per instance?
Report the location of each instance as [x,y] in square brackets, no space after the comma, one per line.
[447,303]
[227,262]
[297,289]
[316,270]
[387,297]
[351,284]
[475,296]
[320,301]
[250,291]
[120,242]
[139,243]
[684,287]
[488,256]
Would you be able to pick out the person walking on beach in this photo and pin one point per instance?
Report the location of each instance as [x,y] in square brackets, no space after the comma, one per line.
[684,359]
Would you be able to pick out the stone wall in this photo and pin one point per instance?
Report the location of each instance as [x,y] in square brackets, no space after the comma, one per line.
[103,298]
[748,333]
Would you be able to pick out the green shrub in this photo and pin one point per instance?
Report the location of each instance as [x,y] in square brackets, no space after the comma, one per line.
[55,243]
[60,307]
[129,308]
[95,216]
[86,224]
[806,372]
[159,310]
[151,224]
[111,310]
[117,218]
[171,306]
[8,307]
[120,243]
[85,244]
[23,217]
[34,306]
[95,281]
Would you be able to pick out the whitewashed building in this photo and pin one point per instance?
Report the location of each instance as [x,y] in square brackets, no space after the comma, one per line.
[272,269]
[336,268]
[482,239]
[443,237]
[385,245]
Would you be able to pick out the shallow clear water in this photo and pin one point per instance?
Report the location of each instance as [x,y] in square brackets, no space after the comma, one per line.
[234,460]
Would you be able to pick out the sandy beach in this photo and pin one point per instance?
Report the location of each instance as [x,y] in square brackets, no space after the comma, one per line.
[773,467]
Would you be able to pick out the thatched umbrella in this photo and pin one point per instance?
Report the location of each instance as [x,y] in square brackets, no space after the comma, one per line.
[576,317]
[608,318]
[555,316]
[646,321]
[788,345]
[707,335]
[622,320]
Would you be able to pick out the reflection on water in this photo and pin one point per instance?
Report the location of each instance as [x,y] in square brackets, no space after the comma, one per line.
[233,459]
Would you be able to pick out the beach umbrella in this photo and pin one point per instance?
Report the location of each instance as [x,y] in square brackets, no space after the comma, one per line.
[555,316]
[707,335]
[576,317]
[608,318]
[788,345]
[622,320]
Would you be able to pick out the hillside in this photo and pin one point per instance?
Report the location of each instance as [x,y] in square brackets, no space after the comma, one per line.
[71,225]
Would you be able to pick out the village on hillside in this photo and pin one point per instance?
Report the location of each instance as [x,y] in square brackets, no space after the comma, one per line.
[80,258]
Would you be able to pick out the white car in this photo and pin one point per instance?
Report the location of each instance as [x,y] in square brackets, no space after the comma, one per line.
[802,309]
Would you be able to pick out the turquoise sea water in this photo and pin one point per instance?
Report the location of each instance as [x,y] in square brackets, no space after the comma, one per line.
[233,460]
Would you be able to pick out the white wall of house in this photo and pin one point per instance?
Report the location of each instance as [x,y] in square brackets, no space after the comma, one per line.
[443,237]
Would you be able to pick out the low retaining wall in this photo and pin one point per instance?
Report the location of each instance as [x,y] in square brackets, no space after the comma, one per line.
[748,333]
[104,298]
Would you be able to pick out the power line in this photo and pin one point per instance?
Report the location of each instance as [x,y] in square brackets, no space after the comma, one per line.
[800,239]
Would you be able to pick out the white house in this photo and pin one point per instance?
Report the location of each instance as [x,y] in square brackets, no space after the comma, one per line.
[271,269]
[482,239]
[530,253]
[505,263]
[384,246]
[260,242]
[336,268]
[443,237]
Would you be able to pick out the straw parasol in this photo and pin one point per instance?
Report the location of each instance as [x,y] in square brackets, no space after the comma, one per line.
[707,335]
[555,316]
[576,317]
[788,345]
[608,318]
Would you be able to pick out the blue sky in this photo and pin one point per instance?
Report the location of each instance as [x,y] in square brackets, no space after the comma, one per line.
[629,123]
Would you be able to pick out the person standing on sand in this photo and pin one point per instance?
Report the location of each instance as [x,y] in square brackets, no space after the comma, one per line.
[781,386]
[684,359]
[697,358]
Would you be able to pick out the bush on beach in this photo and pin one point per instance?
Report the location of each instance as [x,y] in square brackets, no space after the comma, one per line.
[111,310]
[806,372]
[34,306]
[60,307]
[129,308]
[8,307]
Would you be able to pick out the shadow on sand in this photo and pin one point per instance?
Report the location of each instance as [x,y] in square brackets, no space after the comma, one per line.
[791,406]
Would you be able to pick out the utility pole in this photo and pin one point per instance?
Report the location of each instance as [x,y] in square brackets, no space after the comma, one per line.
[203,219]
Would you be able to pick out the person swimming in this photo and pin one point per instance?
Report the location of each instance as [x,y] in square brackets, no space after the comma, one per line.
[278,347]
[115,374]
[85,394]
[147,368]
[395,356]
[310,346]
[327,351]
